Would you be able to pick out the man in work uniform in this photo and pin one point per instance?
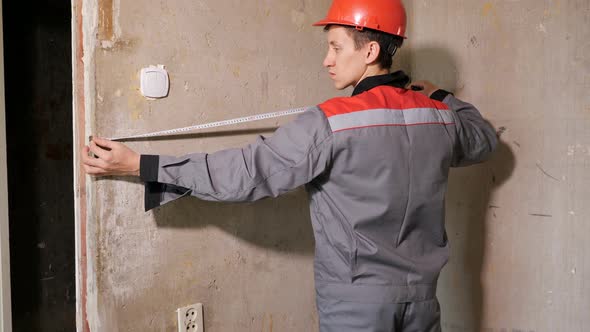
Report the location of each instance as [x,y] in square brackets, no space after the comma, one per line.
[375,166]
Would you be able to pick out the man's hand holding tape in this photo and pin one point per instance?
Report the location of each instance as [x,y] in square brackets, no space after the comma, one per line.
[110,159]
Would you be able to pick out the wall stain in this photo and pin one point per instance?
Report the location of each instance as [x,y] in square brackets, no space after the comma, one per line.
[556,10]
[270,323]
[489,10]
[135,102]
[208,39]
[105,20]
[119,45]
[236,71]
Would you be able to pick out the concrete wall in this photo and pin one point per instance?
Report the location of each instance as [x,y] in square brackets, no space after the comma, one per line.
[249,264]
[518,225]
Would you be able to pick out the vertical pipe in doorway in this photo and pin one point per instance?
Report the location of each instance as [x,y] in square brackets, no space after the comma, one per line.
[79,125]
[5,300]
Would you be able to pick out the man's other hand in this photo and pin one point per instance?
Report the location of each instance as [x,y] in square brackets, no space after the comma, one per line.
[428,88]
[110,158]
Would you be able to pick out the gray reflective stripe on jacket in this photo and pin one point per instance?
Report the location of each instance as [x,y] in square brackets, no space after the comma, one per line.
[376,179]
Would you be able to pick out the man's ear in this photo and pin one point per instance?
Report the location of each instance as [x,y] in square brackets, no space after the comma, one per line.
[373,50]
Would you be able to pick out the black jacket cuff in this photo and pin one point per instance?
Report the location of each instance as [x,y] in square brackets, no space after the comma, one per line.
[440,94]
[148,168]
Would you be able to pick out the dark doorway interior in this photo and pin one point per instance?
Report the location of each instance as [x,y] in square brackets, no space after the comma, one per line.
[38,76]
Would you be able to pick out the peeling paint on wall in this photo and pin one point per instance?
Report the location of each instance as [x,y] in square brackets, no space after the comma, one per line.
[105,20]
[109,29]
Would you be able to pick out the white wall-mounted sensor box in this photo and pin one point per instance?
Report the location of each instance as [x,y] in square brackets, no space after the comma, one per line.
[154,82]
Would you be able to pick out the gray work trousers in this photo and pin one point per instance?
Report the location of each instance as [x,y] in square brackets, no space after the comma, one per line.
[344,316]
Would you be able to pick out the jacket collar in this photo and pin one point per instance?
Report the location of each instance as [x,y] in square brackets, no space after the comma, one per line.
[399,79]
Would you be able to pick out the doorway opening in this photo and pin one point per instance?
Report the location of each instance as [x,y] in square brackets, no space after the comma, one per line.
[39,135]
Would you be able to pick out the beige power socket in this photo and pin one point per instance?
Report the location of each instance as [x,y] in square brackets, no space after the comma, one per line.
[190,318]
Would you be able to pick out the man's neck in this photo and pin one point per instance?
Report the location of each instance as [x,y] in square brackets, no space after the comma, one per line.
[372,71]
[398,80]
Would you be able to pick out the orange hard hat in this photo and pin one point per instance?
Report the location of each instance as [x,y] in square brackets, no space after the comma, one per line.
[388,16]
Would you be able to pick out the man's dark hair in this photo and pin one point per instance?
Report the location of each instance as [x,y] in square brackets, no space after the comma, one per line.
[387,43]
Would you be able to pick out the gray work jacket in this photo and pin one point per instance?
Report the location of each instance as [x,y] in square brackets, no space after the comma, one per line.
[375,166]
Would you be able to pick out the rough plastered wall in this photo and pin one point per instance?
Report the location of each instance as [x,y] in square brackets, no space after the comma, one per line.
[519,224]
[249,264]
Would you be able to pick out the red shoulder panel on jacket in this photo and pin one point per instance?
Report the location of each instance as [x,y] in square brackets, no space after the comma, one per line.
[382,97]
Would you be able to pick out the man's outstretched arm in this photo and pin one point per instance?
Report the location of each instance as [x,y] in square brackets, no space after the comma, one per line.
[296,154]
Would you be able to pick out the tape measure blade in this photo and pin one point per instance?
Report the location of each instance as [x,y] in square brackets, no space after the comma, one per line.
[216,124]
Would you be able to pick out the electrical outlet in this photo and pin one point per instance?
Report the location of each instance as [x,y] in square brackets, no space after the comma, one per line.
[190,318]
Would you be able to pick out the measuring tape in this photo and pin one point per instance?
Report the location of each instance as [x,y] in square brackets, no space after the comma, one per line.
[223,123]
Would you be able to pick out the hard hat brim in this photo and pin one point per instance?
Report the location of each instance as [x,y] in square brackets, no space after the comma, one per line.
[326,22]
